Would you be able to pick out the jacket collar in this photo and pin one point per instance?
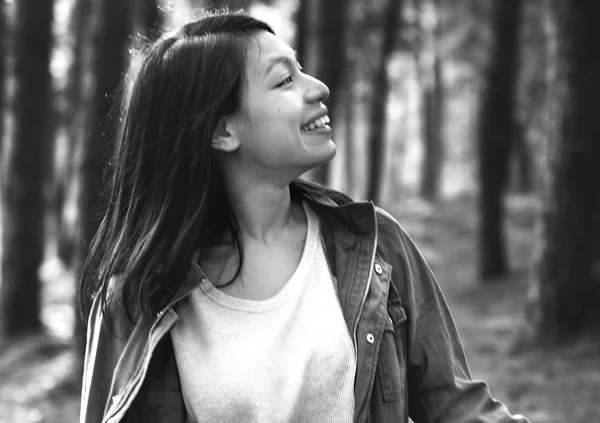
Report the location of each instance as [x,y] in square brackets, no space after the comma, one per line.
[356,216]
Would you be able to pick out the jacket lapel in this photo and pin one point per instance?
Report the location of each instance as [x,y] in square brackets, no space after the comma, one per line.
[349,234]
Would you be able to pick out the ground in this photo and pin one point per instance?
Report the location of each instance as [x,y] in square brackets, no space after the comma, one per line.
[546,385]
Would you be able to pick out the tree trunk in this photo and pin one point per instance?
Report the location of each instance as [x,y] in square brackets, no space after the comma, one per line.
[522,161]
[495,136]
[433,126]
[350,140]
[565,287]
[110,41]
[3,51]
[325,50]
[432,103]
[109,62]
[22,183]
[381,87]
[73,120]
[300,37]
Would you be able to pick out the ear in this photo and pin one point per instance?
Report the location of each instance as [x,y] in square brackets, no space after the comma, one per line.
[224,138]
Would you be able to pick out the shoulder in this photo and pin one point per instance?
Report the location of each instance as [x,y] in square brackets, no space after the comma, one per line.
[386,218]
[397,245]
[389,226]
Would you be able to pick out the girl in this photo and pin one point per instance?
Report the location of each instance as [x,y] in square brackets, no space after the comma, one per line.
[222,288]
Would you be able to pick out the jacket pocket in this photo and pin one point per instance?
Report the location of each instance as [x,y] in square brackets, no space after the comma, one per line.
[391,367]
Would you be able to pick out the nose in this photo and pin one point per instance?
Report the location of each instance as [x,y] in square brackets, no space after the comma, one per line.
[316,91]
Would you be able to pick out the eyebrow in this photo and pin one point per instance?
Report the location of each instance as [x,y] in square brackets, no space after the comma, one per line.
[282,59]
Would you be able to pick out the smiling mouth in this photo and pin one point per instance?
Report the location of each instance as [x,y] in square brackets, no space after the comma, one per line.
[316,124]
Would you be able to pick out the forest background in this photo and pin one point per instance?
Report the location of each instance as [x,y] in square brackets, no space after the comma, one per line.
[472,121]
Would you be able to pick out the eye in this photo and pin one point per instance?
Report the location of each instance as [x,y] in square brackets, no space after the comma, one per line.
[286,81]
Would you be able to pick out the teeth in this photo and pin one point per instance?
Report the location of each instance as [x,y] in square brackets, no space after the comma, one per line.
[317,123]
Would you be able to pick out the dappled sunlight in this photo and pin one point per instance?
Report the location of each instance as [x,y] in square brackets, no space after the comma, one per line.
[59,288]
[488,160]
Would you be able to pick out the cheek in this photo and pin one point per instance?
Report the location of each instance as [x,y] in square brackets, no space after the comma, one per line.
[275,122]
[273,118]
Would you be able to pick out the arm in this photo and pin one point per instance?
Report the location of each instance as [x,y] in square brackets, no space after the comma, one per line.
[440,386]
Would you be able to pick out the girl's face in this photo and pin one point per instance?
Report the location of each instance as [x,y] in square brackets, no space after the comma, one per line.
[284,131]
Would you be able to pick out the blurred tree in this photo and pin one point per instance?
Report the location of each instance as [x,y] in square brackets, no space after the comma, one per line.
[522,161]
[531,99]
[354,37]
[392,13]
[22,182]
[349,109]
[495,135]
[300,18]
[464,35]
[432,98]
[111,32]
[324,51]
[148,19]
[73,114]
[565,287]
[3,51]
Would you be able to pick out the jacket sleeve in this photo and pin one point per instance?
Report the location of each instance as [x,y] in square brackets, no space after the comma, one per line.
[101,355]
[159,398]
[440,386]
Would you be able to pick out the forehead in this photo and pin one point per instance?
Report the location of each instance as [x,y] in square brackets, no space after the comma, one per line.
[263,49]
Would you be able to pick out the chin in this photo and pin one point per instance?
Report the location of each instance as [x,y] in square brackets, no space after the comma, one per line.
[332,151]
[324,156]
[333,147]
[323,153]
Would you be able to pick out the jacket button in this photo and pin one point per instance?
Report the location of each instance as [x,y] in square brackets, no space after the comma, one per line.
[370,338]
[378,269]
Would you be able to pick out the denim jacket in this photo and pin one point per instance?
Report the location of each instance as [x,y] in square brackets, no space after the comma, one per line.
[410,361]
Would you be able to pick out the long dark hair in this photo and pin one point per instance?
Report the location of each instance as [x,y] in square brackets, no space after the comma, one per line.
[165,194]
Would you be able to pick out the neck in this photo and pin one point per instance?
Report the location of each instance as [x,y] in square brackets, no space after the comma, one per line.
[263,210]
